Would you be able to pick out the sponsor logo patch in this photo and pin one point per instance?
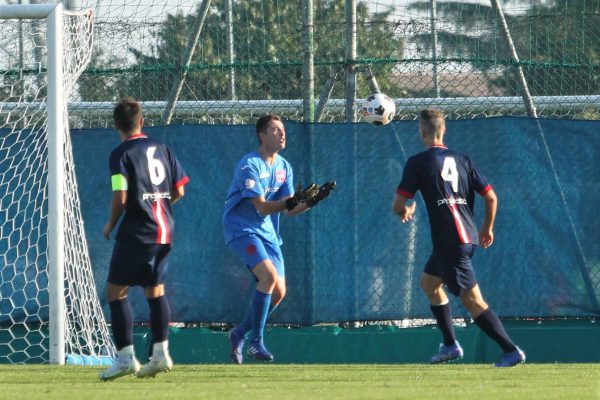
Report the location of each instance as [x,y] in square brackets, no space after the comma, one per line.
[280,175]
[250,183]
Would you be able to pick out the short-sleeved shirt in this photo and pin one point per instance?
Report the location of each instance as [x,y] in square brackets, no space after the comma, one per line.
[448,182]
[253,177]
[149,172]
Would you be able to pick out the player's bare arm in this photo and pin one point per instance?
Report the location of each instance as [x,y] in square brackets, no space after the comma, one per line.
[268,207]
[177,194]
[293,205]
[119,199]
[405,211]
[271,207]
[486,234]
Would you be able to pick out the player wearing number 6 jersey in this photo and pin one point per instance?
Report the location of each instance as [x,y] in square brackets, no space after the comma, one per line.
[448,183]
[146,180]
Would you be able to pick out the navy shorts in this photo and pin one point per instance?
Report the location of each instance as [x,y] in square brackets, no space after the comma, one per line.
[253,250]
[138,264]
[454,267]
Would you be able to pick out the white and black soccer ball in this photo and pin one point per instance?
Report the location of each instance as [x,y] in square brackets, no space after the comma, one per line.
[378,109]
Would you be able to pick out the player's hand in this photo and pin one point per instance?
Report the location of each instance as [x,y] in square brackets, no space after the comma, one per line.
[106,230]
[323,192]
[486,238]
[408,212]
[302,196]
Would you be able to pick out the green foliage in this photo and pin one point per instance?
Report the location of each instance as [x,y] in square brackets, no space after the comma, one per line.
[268,47]
[558,45]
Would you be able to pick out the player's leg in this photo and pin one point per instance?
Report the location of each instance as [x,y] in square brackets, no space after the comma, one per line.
[237,336]
[280,289]
[482,314]
[255,255]
[160,312]
[432,286]
[119,279]
[491,325]
[266,274]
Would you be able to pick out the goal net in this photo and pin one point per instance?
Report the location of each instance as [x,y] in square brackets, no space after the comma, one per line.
[49,307]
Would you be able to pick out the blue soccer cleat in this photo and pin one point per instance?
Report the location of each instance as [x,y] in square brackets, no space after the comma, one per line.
[237,343]
[447,353]
[511,359]
[258,351]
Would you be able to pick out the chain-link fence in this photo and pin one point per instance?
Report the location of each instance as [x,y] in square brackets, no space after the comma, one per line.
[347,263]
[235,60]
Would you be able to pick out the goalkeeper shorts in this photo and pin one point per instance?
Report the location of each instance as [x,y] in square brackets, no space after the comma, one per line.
[253,250]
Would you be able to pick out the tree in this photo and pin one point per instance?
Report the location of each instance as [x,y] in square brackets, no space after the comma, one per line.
[268,51]
[558,45]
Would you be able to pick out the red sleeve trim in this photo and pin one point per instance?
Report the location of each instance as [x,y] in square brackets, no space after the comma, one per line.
[182,182]
[485,190]
[405,194]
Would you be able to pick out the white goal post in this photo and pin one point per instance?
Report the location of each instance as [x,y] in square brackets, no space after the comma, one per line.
[70,327]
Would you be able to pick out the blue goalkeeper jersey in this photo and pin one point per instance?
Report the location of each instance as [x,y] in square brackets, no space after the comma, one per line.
[448,182]
[253,177]
[149,172]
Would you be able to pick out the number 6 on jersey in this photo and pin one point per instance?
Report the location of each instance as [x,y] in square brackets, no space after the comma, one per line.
[156,169]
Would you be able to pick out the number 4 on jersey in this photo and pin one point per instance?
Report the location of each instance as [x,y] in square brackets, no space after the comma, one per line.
[450,173]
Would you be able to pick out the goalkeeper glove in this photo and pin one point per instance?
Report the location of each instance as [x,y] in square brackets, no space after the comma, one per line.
[302,196]
[323,192]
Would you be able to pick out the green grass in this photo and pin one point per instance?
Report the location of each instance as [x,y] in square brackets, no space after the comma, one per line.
[308,382]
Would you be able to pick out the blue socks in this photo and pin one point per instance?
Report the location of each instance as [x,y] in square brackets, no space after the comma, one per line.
[244,327]
[489,322]
[122,322]
[160,314]
[259,310]
[443,316]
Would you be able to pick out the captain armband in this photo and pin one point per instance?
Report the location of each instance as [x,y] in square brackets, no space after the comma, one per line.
[119,182]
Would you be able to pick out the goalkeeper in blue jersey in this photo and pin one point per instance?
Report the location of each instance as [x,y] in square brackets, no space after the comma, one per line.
[146,180]
[261,189]
[448,182]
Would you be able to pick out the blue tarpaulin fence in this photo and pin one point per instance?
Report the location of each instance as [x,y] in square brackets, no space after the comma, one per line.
[350,258]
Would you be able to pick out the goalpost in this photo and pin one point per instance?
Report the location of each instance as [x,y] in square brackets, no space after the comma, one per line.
[49,308]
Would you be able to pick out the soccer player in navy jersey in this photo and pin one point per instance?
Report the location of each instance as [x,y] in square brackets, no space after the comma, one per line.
[146,180]
[261,189]
[448,182]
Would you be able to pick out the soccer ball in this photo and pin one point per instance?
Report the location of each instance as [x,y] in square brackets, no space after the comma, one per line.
[378,109]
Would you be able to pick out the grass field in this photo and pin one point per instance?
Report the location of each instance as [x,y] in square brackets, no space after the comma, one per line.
[283,381]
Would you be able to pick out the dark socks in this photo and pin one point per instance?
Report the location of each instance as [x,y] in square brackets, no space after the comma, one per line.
[443,316]
[122,322]
[160,314]
[491,325]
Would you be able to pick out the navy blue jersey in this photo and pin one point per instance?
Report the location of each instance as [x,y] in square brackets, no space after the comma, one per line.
[149,173]
[448,182]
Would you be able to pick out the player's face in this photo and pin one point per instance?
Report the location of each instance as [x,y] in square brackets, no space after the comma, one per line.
[274,136]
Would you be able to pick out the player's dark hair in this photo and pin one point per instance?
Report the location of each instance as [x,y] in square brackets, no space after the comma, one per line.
[261,124]
[127,114]
[432,120]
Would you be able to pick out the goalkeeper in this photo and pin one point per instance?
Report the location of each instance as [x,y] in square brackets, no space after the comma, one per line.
[261,189]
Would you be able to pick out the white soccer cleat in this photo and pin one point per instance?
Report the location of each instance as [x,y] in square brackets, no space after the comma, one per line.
[155,366]
[122,366]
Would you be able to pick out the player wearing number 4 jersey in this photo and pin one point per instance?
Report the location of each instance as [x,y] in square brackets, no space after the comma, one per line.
[146,180]
[448,182]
